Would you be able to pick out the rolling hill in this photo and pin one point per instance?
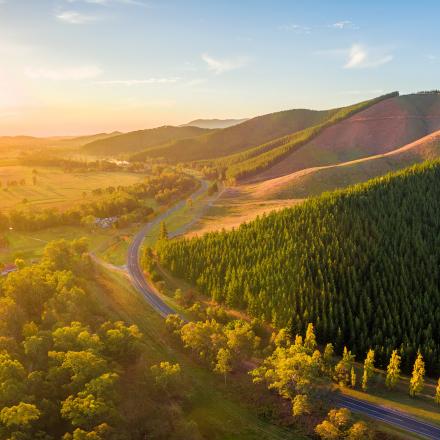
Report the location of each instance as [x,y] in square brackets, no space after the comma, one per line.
[55,141]
[141,140]
[235,139]
[316,180]
[381,128]
[214,123]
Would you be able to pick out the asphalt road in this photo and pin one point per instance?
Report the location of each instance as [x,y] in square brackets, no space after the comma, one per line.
[387,415]
[391,416]
[133,264]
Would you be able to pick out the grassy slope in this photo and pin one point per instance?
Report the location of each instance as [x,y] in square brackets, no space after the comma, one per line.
[55,188]
[264,156]
[237,138]
[219,412]
[141,139]
[315,180]
[379,129]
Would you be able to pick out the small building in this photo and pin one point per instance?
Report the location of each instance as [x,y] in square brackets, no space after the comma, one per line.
[105,222]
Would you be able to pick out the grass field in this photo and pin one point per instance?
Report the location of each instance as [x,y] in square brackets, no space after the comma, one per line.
[54,187]
[219,411]
[109,244]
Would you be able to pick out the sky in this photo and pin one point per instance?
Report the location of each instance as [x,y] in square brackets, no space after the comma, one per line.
[72,67]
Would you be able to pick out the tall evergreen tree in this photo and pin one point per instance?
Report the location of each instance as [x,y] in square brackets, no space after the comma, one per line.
[393,370]
[368,369]
[417,381]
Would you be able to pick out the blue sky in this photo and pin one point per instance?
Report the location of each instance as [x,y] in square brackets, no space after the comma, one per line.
[85,66]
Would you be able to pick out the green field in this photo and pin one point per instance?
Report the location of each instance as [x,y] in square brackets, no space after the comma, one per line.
[55,187]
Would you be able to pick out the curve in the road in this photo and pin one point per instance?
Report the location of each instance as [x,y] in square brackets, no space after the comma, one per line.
[148,291]
[133,264]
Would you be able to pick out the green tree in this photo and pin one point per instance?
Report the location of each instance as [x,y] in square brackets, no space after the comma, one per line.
[310,339]
[301,405]
[368,369]
[359,431]
[167,376]
[393,370]
[12,380]
[353,378]
[327,358]
[417,380]
[336,424]
[19,416]
[343,368]
[224,362]
[122,342]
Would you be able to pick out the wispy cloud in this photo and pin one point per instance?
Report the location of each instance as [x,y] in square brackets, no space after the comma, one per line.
[431,57]
[296,28]
[360,57]
[75,17]
[63,73]
[344,24]
[110,2]
[135,82]
[219,66]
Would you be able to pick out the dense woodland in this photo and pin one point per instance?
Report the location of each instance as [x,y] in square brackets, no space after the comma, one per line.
[128,203]
[67,371]
[361,263]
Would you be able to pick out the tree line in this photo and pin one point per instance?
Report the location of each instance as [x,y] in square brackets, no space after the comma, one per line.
[128,203]
[361,263]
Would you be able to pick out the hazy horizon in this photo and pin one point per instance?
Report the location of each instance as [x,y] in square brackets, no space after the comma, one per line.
[78,67]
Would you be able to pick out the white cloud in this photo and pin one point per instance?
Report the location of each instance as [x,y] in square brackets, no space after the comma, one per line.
[135,82]
[75,17]
[360,57]
[296,28]
[63,73]
[431,57]
[344,24]
[219,66]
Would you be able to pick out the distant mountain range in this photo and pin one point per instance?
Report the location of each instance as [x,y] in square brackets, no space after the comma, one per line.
[141,140]
[52,141]
[214,123]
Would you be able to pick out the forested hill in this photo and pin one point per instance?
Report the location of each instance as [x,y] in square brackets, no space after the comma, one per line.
[361,263]
[239,137]
[141,140]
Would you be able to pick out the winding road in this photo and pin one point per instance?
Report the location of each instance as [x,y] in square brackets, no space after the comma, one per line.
[133,263]
[149,292]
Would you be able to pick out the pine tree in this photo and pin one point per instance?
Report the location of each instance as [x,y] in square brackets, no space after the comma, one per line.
[437,393]
[353,378]
[327,357]
[368,369]
[310,339]
[393,370]
[417,381]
